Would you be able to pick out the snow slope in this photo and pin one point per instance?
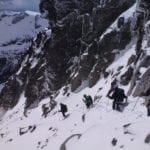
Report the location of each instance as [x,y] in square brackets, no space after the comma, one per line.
[84,129]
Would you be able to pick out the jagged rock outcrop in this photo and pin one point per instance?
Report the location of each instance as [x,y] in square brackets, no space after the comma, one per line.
[13,88]
[126,77]
[140,80]
[143,86]
[74,51]
[29,77]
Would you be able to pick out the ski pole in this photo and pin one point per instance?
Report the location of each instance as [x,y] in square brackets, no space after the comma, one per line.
[136,103]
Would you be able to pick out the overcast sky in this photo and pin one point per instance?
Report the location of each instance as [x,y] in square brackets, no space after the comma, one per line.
[19,5]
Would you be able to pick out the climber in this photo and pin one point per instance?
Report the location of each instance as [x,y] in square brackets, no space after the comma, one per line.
[87,100]
[45,110]
[118,97]
[63,109]
[114,84]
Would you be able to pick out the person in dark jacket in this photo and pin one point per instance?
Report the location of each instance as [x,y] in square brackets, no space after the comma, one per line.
[118,97]
[45,110]
[63,109]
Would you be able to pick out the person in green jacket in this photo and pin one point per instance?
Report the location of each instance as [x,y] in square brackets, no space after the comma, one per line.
[87,99]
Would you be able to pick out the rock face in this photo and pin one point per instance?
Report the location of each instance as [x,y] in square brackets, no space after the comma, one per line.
[140,79]
[126,77]
[143,87]
[76,49]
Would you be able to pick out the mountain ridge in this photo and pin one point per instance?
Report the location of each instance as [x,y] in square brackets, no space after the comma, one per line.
[17,32]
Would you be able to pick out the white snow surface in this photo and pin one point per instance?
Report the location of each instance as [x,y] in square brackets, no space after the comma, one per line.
[17,29]
[101,124]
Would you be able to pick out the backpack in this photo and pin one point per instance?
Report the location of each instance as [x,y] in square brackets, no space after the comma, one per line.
[120,94]
[65,108]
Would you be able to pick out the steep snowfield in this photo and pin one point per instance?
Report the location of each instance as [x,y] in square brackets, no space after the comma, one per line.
[18,29]
[97,131]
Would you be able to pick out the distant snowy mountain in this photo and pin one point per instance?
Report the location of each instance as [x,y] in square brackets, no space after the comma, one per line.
[17,32]
[18,29]
[19,5]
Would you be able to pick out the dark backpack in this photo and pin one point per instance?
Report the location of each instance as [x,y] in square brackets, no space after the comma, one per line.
[64,108]
[120,94]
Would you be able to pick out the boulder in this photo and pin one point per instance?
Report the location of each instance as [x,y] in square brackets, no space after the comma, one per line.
[143,86]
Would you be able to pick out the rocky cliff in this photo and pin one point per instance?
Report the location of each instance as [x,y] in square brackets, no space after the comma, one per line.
[83,39]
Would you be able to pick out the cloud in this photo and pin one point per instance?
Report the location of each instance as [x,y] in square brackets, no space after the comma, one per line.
[19,5]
